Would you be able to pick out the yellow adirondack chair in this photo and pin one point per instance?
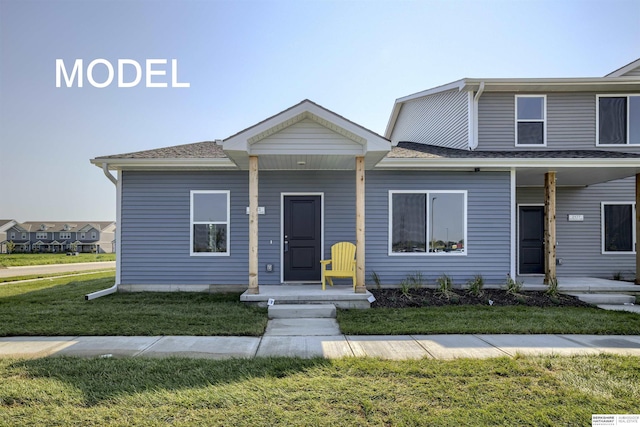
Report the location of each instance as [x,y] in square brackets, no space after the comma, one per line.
[343,263]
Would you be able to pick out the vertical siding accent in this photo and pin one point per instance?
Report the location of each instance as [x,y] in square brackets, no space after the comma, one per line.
[488,226]
[571,123]
[441,119]
[579,243]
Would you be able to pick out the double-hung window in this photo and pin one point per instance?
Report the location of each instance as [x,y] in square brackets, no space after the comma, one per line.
[40,235]
[65,235]
[210,211]
[618,227]
[531,116]
[618,118]
[428,222]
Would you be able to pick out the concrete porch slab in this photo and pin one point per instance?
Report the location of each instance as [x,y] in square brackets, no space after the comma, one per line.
[302,327]
[608,298]
[32,347]
[625,307]
[457,346]
[330,347]
[393,347]
[579,284]
[340,296]
[105,345]
[203,347]
[537,345]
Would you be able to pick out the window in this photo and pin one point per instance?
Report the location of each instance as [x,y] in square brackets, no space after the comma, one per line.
[13,235]
[82,235]
[618,119]
[618,227]
[93,235]
[41,235]
[531,114]
[209,222]
[24,236]
[65,235]
[427,222]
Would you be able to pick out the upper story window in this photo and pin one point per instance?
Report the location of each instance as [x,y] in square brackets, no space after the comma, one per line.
[210,211]
[13,235]
[93,235]
[40,235]
[618,119]
[531,115]
[64,235]
[24,236]
[82,235]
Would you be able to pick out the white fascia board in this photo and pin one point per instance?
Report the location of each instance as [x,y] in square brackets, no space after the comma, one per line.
[620,71]
[553,84]
[401,163]
[185,164]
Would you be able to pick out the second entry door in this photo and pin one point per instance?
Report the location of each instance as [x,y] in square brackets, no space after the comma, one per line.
[302,238]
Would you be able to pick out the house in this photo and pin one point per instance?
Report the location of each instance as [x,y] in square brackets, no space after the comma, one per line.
[479,176]
[47,236]
[5,224]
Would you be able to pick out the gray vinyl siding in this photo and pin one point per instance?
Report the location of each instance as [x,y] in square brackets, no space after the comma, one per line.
[580,243]
[633,73]
[571,123]
[155,246]
[441,119]
[155,224]
[488,226]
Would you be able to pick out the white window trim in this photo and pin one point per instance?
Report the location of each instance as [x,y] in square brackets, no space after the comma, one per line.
[544,120]
[13,235]
[23,236]
[621,95]
[227,222]
[633,229]
[428,225]
[64,234]
[42,235]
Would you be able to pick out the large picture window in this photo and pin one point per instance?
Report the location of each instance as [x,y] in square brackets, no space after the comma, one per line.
[618,228]
[618,119]
[209,222]
[530,119]
[427,222]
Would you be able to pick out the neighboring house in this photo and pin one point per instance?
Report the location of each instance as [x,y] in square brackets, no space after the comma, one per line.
[466,180]
[5,224]
[36,236]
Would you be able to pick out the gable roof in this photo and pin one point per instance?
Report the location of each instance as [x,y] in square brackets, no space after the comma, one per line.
[59,226]
[614,81]
[204,149]
[625,69]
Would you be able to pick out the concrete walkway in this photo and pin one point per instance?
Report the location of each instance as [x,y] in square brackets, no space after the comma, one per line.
[395,347]
[55,268]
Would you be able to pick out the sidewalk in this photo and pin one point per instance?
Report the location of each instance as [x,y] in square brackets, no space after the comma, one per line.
[32,270]
[328,346]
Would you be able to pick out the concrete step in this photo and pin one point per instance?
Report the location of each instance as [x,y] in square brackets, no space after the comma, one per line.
[298,311]
[302,327]
[609,299]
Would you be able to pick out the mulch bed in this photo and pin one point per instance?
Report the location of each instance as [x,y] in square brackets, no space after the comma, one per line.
[424,297]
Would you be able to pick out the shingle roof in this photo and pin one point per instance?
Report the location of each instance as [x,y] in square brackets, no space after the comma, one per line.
[196,150]
[59,226]
[413,150]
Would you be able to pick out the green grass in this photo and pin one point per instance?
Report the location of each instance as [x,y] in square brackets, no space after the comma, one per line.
[20,260]
[541,391]
[488,320]
[57,307]
[46,276]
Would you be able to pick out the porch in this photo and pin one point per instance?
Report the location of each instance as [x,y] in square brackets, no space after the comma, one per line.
[342,296]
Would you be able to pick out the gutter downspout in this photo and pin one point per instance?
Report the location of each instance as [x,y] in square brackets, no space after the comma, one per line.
[474,141]
[114,288]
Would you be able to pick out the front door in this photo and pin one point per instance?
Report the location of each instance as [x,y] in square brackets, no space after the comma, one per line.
[531,240]
[302,238]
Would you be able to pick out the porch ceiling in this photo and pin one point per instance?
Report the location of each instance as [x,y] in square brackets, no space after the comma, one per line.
[573,176]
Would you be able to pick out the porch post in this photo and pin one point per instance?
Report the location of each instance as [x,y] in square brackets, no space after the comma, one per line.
[360,285]
[549,226]
[637,229]
[253,225]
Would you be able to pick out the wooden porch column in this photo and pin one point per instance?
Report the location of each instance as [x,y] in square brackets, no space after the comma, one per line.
[360,285]
[253,225]
[549,226]
[637,229]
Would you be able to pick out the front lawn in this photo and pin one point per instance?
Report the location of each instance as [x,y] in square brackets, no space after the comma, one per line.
[20,260]
[488,320]
[57,307]
[548,391]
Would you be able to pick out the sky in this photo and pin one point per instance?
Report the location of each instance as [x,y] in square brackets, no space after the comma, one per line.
[248,60]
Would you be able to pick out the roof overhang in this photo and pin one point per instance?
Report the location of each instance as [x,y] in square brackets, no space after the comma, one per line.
[166,164]
[363,142]
[529,171]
